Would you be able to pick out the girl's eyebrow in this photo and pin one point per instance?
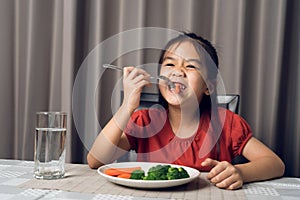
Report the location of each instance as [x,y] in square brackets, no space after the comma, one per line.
[169,58]
[195,60]
[188,60]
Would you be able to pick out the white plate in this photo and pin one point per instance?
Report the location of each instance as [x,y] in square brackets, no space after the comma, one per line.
[147,183]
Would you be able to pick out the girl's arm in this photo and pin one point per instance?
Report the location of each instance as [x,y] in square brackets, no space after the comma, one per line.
[263,164]
[111,143]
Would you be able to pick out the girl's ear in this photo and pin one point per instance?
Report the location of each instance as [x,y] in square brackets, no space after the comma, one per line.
[210,89]
[207,92]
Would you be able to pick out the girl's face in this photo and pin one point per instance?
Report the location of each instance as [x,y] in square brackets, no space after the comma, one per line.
[185,68]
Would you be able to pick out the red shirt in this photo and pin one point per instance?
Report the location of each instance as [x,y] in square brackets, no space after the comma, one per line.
[150,134]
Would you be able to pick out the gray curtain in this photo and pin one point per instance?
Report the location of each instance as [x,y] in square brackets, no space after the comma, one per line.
[44,46]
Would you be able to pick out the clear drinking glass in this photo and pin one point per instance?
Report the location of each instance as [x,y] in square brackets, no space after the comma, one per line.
[50,145]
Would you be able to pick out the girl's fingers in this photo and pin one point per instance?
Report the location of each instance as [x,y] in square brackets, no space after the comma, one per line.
[230,183]
[142,83]
[135,77]
[209,162]
[127,70]
[133,82]
[235,185]
[222,176]
[217,167]
[141,77]
[132,72]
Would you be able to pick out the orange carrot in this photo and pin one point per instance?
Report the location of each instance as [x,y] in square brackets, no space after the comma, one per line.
[112,172]
[118,171]
[177,89]
[124,176]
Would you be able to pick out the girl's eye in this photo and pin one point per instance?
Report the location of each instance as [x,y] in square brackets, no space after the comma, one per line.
[169,65]
[191,66]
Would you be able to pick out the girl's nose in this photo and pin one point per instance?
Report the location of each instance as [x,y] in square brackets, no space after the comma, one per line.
[178,71]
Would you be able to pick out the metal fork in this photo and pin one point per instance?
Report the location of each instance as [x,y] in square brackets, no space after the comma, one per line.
[160,77]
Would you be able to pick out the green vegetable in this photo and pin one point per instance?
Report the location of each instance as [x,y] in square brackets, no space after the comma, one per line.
[173,173]
[158,172]
[137,174]
[164,172]
[183,173]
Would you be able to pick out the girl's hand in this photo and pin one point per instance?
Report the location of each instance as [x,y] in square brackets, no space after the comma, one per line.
[134,80]
[223,174]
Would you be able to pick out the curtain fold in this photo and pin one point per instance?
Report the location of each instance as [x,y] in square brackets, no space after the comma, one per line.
[6,80]
[45,44]
[263,53]
[288,115]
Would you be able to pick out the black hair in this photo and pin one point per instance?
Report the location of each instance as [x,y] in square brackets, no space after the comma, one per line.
[199,43]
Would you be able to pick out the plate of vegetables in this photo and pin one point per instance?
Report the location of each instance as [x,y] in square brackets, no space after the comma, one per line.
[148,174]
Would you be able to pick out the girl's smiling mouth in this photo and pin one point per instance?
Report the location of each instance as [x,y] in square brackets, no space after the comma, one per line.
[179,88]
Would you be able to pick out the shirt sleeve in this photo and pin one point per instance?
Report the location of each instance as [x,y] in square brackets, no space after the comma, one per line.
[130,131]
[144,124]
[240,134]
[139,126]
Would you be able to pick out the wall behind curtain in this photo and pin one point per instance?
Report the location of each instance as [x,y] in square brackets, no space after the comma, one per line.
[44,43]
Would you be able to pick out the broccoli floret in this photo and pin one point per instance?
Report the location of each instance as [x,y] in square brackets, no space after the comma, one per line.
[183,173]
[158,172]
[138,174]
[177,173]
[173,173]
[150,177]
[165,172]
[159,169]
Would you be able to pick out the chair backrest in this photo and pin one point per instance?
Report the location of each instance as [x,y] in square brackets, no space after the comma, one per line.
[229,101]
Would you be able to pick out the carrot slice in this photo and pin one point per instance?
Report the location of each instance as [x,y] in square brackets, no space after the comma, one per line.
[118,171]
[124,176]
[177,89]
[112,172]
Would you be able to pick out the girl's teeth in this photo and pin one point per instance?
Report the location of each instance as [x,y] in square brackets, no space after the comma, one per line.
[178,88]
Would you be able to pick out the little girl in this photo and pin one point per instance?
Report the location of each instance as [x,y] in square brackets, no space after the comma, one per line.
[188,129]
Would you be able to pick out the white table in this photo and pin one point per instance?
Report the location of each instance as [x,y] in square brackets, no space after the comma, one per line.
[17,182]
